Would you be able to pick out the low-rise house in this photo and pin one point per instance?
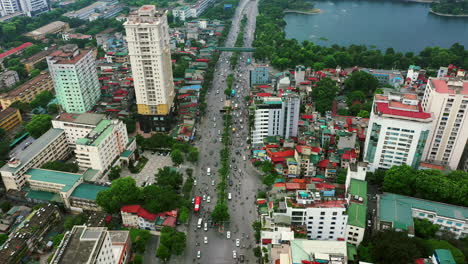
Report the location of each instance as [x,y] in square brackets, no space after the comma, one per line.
[8,79]
[30,237]
[397,212]
[10,118]
[51,28]
[137,217]
[27,92]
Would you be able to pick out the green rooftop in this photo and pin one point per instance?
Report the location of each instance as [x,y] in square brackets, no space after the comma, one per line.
[44,196]
[357,211]
[444,256]
[98,134]
[126,153]
[88,191]
[58,177]
[397,209]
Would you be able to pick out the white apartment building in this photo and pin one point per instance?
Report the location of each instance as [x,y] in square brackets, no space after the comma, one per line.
[200,7]
[276,116]
[398,130]
[75,78]
[183,12]
[27,7]
[93,245]
[324,217]
[101,148]
[77,126]
[447,99]
[150,57]
[49,147]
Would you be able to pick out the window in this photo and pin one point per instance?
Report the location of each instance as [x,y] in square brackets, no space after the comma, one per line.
[322,213]
[440,221]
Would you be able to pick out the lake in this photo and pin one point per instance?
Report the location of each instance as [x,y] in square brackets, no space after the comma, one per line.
[402,26]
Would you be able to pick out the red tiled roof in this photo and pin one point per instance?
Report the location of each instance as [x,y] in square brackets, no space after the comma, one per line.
[266,241]
[431,166]
[307,116]
[279,185]
[140,211]
[263,86]
[272,146]
[304,83]
[14,50]
[323,163]
[282,154]
[169,221]
[324,186]
[264,94]
[261,201]
[293,186]
[385,109]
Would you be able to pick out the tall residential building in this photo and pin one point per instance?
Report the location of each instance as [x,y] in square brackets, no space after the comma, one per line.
[397,133]
[150,57]
[447,99]
[75,78]
[28,7]
[276,116]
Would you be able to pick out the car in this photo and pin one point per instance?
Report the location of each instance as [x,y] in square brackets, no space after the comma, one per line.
[193,200]
[230,182]
[208,199]
[204,197]
[234,254]
[194,182]
[228,234]
[214,118]
[198,254]
[205,240]
[244,158]
[217,91]
[214,124]
[241,257]
[212,183]
[221,99]
[237,242]
[205,227]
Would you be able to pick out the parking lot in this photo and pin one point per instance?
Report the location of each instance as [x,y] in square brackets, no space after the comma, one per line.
[146,175]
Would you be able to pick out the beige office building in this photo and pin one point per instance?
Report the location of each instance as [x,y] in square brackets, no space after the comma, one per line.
[150,57]
[447,100]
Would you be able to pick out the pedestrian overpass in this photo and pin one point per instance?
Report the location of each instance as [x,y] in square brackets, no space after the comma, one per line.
[234,49]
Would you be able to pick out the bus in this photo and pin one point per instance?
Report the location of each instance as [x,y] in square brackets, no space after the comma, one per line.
[197,204]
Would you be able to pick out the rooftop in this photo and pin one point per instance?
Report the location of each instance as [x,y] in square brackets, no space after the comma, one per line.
[85,118]
[65,57]
[303,249]
[386,109]
[445,86]
[78,246]
[87,191]
[29,84]
[7,112]
[397,209]
[103,129]
[14,50]
[35,148]
[444,256]
[47,28]
[58,177]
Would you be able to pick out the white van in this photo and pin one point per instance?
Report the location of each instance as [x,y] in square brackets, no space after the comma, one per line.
[244,158]
[208,171]
[229,196]
[200,220]
[206,227]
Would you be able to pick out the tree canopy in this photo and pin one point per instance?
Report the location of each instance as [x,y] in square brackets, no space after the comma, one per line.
[428,184]
[324,94]
[38,125]
[122,192]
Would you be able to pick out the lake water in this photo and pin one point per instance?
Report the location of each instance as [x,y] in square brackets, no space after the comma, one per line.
[402,26]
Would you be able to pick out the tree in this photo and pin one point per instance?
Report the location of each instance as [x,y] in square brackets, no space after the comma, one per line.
[189,172]
[23,107]
[3,238]
[363,114]
[42,99]
[178,243]
[177,157]
[399,179]
[140,239]
[163,253]
[114,173]
[220,213]
[5,206]
[341,176]
[73,220]
[34,73]
[184,214]
[424,228]
[361,81]
[158,199]
[193,155]
[130,123]
[61,166]
[53,108]
[169,178]
[57,239]
[38,125]
[324,94]
[123,191]
[389,245]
